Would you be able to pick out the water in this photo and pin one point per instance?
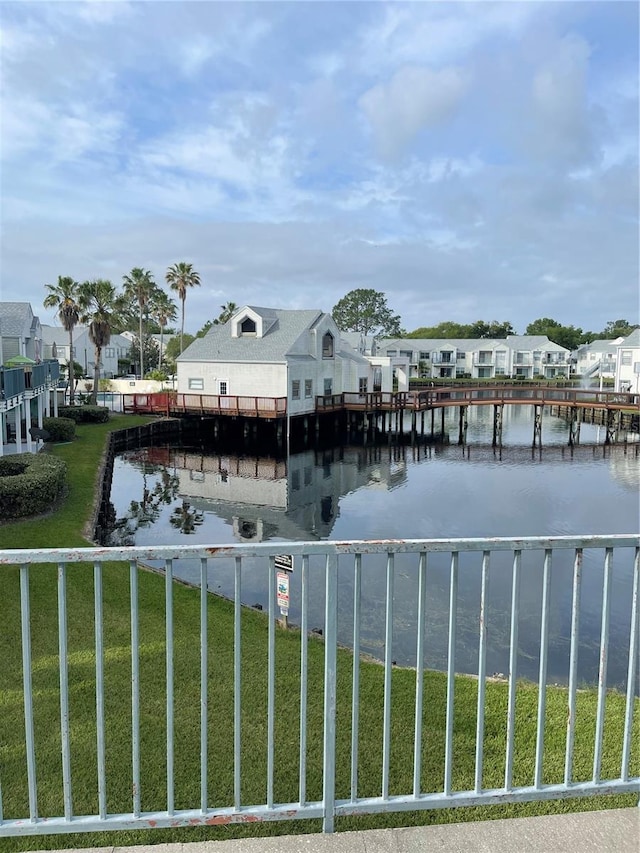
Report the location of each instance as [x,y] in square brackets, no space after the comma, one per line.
[196,496]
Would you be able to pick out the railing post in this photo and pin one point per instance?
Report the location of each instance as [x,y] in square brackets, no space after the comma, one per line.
[330,657]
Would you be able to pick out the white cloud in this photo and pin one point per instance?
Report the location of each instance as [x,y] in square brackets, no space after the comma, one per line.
[562,130]
[414,99]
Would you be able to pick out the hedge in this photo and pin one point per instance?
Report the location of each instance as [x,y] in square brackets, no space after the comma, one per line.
[30,483]
[60,429]
[85,414]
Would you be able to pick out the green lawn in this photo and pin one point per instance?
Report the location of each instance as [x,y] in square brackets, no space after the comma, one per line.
[64,528]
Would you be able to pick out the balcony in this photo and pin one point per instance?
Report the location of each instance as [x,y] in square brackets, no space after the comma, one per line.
[483,359]
[134,702]
[444,358]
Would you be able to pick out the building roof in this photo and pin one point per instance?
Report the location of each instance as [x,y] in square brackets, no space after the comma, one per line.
[598,346]
[515,342]
[284,328]
[632,340]
[14,317]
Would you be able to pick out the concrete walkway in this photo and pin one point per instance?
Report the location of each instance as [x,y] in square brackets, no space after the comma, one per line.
[612,831]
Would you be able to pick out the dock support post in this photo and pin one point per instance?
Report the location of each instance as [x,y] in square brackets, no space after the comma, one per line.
[574,426]
[612,424]
[442,421]
[497,425]
[537,426]
[462,425]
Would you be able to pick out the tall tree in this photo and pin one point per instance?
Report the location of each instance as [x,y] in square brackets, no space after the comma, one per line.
[139,286]
[180,277]
[618,329]
[366,310]
[228,310]
[565,336]
[451,329]
[63,296]
[162,309]
[97,300]
[446,329]
[492,329]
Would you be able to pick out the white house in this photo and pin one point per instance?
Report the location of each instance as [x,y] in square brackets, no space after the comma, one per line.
[597,359]
[528,356]
[20,332]
[274,353]
[628,363]
[56,345]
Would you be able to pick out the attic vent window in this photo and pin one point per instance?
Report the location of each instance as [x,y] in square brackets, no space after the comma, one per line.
[248,326]
[327,345]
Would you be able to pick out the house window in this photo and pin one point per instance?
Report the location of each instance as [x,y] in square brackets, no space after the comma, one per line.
[327,345]
[626,357]
[295,389]
[460,355]
[223,387]
[424,356]
[248,326]
[109,352]
[328,387]
[308,388]
[391,353]
[196,383]
[406,353]
[362,385]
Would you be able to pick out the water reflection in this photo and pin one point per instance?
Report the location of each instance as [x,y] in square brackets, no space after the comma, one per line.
[197,495]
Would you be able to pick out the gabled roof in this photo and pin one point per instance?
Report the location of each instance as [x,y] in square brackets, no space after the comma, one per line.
[632,340]
[430,344]
[531,342]
[14,318]
[598,346]
[282,331]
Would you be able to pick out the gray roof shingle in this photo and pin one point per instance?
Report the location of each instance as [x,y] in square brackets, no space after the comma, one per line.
[284,330]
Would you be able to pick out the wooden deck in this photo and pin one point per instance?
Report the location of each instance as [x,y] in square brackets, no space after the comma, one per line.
[274,408]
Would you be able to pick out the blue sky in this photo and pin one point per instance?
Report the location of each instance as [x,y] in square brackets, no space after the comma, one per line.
[470,160]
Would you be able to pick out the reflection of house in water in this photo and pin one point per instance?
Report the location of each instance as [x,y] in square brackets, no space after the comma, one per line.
[624,464]
[265,498]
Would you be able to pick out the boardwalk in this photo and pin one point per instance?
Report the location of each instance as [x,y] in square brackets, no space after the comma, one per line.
[273,408]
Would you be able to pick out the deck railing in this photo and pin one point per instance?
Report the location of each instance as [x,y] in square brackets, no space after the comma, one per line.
[65,684]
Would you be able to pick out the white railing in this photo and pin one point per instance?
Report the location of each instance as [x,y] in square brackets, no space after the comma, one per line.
[66,774]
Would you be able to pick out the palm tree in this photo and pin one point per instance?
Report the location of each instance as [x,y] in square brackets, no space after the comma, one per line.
[228,310]
[63,296]
[180,277]
[162,309]
[138,286]
[97,300]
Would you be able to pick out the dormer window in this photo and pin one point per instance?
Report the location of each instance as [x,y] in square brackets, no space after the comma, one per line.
[327,345]
[248,327]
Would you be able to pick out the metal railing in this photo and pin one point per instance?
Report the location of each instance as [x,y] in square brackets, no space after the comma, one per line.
[307,729]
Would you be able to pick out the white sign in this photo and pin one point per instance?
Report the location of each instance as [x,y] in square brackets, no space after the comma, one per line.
[284,562]
[283,592]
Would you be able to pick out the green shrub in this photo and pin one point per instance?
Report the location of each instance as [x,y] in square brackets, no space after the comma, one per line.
[60,429]
[30,483]
[85,414]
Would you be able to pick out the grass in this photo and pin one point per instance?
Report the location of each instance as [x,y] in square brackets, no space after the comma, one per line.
[64,528]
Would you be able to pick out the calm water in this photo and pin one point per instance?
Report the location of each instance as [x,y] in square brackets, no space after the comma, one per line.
[180,495]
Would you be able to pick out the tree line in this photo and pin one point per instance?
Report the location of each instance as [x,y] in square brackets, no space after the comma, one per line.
[366,311]
[105,310]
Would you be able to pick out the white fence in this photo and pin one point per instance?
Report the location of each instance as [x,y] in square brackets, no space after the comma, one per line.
[84,625]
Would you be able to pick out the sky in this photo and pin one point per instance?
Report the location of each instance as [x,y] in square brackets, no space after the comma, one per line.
[469,160]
